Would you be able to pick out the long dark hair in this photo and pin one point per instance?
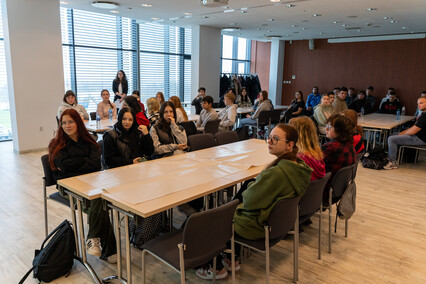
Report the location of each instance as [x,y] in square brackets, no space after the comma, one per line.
[133,103]
[302,100]
[291,135]
[123,81]
[246,97]
[121,114]
[162,123]
[343,126]
[60,140]
[110,104]
[69,93]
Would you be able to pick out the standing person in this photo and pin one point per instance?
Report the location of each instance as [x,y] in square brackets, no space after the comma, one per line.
[197,102]
[169,138]
[361,103]
[208,113]
[120,88]
[105,105]
[296,107]
[322,112]
[228,115]
[287,176]
[181,115]
[137,95]
[127,143]
[153,110]
[391,105]
[74,152]
[132,102]
[264,104]
[313,99]
[370,98]
[357,133]
[243,100]
[160,97]
[339,103]
[415,135]
[70,101]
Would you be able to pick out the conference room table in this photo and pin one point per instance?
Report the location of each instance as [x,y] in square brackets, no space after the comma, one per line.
[154,186]
[381,123]
[104,125]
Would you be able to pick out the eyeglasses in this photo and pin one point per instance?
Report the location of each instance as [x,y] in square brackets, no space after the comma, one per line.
[329,126]
[274,140]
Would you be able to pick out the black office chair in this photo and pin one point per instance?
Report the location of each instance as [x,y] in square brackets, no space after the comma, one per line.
[311,202]
[275,117]
[205,236]
[201,141]
[189,127]
[212,126]
[282,219]
[262,121]
[226,137]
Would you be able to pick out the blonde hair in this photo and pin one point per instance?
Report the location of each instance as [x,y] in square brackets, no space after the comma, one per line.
[230,96]
[152,105]
[176,101]
[307,143]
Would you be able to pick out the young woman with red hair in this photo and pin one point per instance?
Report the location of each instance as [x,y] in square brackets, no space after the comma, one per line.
[74,152]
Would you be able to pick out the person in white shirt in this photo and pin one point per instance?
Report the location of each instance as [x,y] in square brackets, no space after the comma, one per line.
[70,101]
[228,115]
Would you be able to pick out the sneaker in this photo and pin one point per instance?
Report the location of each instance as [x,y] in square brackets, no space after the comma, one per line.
[93,246]
[186,209]
[112,259]
[391,166]
[207,274]
[228,266]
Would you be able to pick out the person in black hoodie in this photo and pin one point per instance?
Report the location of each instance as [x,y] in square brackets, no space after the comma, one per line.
[127,143]
[392,105]
[360,103]
[74,152]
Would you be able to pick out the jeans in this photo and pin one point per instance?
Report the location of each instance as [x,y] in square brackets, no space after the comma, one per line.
[248,121]
[397,140]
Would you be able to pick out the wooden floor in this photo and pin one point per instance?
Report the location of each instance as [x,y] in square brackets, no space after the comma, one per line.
[386,243]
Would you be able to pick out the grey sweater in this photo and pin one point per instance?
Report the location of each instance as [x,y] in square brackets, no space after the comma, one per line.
[206,116]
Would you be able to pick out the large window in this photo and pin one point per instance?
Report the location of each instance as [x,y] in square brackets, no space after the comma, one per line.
[5,125]
[95,46]
[235,55]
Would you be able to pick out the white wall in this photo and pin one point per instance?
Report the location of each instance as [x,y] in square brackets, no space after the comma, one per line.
[33,47]
[205,60]
[276,71]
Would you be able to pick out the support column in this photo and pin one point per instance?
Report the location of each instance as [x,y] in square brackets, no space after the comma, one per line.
[205,61]
[276,71]
[33,48]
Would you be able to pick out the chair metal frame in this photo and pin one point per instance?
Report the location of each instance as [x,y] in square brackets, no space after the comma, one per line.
[264,119]
[402,149]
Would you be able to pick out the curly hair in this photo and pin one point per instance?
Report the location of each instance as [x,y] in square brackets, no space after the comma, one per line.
[343,127]
[308,142]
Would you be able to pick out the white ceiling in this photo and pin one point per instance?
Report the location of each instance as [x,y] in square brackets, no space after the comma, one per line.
[264,18]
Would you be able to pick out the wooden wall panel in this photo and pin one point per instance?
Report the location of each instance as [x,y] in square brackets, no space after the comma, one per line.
[260,61]
[400,64]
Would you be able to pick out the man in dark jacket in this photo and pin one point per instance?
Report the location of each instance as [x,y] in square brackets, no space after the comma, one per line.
[198,100]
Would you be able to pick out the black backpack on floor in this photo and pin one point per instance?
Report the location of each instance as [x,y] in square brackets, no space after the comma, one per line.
[57,257]
[375,159]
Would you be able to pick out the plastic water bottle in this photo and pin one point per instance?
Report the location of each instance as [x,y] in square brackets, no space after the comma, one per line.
[403,111]
[398,115]
[362,112]
[110,114]
[98,121]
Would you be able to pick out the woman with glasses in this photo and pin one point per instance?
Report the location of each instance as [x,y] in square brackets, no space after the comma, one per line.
[74,152]
[286,177]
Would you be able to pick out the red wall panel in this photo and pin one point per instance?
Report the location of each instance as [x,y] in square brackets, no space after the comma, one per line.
[259,62]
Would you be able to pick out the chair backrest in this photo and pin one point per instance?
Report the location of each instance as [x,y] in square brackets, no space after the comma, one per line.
[189,127]
[311,201]
[209,230]
[264,116]
[226,137]
[342,179]
[93,115]
[276,116]
[283,217]
[212,126]
[359,156]
[201,141]
[48,173]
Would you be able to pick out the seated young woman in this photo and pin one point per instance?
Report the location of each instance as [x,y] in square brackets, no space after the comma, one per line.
[286,177]
[296,107]
[340,151]
[308,144]
[153,110]
[137,95]
[127,143]
[133,103]
[264,104]
[228,115]
[70,101]
[169,138]
[160,97]
[74,152]
[181,115]
[358,141]
[243,100]
[105,106]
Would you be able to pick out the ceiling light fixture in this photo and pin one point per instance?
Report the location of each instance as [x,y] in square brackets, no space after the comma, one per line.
[385,18]
[187,13]
[204,17]
[243,12]
[230,29]
[294,26]
[344,25]
[146,5]
[155,19]
[271,20]
[376,38]
[393,22]
[275,1]
[290,6]
[336,22]
[404,28]
[316,15]
[229,11]
[322,33]
[114,11]
[371,9]
[105,4]
[64,2]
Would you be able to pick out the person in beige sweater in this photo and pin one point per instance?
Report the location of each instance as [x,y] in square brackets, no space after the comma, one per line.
[105,105]
[339,103]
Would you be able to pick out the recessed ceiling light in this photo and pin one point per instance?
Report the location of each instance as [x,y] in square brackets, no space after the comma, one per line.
[114,11]
[232,24]
[336,22]
[371,9]
[385,18]
[273,37]
[404,28]
[258,29]
[294,26]
[290,6]
[187,13]
[304,28]
[243,12]
[230,29]
[204,17]
[316,15]
[172,21]
[271,20]
[146,5]
[344,25]
[105,4]
[64,2]
[155,19]
[359,31]
[244,8]
[275,1]
[229,11]
[322,33]
[269,31]
[393,22]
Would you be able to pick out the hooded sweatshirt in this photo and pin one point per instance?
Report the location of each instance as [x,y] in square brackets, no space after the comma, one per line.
[79,108]
[284,180]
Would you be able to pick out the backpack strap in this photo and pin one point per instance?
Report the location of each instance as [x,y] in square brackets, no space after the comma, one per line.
[26,275]
[53,232]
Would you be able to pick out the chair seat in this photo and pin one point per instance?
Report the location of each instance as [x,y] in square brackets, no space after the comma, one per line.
[59,198]
[258,244]
[166,247]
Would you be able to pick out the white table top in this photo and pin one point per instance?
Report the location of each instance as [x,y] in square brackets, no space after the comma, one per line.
[382,121]
[193,117]
[105,125]
[154,186]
